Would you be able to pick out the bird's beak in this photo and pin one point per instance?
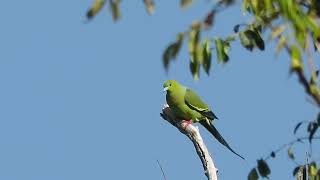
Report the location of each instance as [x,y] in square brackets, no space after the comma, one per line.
[165,89]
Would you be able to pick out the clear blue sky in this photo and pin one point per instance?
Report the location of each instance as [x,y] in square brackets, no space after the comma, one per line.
[82,100]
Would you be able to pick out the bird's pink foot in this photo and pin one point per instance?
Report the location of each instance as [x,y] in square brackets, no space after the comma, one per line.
[186,123]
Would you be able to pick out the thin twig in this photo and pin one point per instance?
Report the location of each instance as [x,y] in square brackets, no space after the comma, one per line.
[291,143]
[163,174]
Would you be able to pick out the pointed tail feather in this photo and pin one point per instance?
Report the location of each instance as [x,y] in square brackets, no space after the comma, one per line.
[209,114]
[217,135]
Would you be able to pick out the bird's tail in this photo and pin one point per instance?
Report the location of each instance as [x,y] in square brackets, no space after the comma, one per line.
[209,126]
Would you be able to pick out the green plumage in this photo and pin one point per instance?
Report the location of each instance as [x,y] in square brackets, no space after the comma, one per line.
[187,105]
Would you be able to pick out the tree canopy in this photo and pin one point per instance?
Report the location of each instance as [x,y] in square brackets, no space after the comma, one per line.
[293,25]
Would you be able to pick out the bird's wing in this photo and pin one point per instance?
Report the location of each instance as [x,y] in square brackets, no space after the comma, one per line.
[194,102]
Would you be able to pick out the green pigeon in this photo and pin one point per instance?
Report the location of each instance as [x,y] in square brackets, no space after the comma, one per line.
[188,106]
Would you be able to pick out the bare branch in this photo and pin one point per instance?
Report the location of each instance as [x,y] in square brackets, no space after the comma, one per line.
[192,132]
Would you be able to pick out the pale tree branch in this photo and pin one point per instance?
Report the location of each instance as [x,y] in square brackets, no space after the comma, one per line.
[192,132]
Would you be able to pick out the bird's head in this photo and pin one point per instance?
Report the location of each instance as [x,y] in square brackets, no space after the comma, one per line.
[169,85]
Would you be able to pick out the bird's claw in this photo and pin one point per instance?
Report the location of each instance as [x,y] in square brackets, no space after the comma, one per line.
[186,123]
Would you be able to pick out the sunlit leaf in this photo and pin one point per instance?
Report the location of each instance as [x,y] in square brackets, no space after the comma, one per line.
[246,6]
[95,8]
[296,62]
[263,168]
[246,40]
[314,78]
[230,38]
[312,169]
[185,3]
[115,9]
[250,39]
[206,54]
[149,6]
[314,89]
[194,68]
[297,170]
[253,175]
[222,48]
[177,45]
[290,153]
[276,31]
[281,43]
[194,42]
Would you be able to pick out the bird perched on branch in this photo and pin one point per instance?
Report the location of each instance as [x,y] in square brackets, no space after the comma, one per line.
[188,106]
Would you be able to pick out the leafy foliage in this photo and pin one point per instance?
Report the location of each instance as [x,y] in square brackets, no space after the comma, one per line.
[97,6]
[253,175]
[313,171]
[222,48]
[292,24]
[290,153]
[263,168]
[172,50]
[185,3]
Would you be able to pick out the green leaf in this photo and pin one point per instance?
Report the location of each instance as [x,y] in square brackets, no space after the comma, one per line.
[276,31]
[185,3]
[296,63]
[149,6]
[222,48]
[263,168]
[297,169]
[281,43]
[246,6]
[177,45]
[206,54]
[95,8]
[194,41]
[258,41]
[230,38]
[246,40]
[253,175]
[194,68]
[167,55]
[312,169]
[297,127]
[290,153]
[250,39]
[114,5]
[172,50]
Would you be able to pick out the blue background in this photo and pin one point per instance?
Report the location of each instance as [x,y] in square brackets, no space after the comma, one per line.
[81,100]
